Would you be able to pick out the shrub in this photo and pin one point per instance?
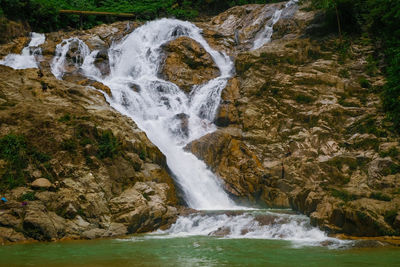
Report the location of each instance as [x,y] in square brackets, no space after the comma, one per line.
[380,196]
[343,195]
[30,196]
[108,145]
[18,153]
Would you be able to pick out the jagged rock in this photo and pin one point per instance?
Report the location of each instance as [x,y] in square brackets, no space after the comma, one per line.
[84,183]
[187,64]
[227,112]
[230,159]
[10,235]
[41,183]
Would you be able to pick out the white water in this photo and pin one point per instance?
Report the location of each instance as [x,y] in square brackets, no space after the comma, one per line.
[154,104]
[251,225]
[27,58]
[59,61]
[264,36]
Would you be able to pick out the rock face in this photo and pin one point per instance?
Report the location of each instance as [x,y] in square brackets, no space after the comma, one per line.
[300,126]
[299,129]
[104,177]
[187,64]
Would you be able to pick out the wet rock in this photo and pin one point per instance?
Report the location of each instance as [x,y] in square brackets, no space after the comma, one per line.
[183,124]
[187,64]
[230,159]
[102,62]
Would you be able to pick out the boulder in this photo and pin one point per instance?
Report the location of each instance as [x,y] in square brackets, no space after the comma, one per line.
[41,183]
[187,64]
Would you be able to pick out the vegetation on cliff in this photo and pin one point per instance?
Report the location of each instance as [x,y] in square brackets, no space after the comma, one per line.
[43,15]
[378,21]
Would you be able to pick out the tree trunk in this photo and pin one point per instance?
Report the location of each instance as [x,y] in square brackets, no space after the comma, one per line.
[338,21]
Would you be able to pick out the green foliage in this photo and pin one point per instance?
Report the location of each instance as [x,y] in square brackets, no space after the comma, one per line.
[390,216]
[65,118]
[30,196]
[393,152]
[380,196]
[379,19]
[18,154]
[43,15]
[364,83]
[69,145]
[108,145]
[343,195]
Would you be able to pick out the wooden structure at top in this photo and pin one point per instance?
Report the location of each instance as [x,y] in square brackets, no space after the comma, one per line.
[87,13]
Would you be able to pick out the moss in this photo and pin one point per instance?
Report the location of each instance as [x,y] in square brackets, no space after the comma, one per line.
[344,73]
[343,195]
[364,83]
[30,196]
[142,154]
[393,152]
[69,145]
[18,153]
[380,196]
[372,66]
[390,216]
[108,145]
[65,118]
[367,125]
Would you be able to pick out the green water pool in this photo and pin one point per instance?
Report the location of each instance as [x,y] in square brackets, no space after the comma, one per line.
[192,251]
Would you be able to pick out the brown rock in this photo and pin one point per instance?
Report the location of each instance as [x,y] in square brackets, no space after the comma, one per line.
[41,183]
[187,64]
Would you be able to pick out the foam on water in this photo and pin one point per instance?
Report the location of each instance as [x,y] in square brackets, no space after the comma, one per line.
[28,57]
[251,225]
[158,106]
[62,49]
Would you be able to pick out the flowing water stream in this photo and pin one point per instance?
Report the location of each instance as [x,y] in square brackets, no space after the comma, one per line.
[157,106]
[29,55]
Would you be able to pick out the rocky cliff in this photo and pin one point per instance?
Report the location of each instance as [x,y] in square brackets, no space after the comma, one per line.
[300,126]
[72,167]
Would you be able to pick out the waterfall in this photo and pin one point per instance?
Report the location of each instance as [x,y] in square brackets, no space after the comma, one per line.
[28,57]
[157,105]
[74,48]
[264,36]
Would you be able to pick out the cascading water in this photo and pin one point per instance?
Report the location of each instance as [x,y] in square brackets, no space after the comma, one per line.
[28,57]
[79,52]
[264,36]
[158,107]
